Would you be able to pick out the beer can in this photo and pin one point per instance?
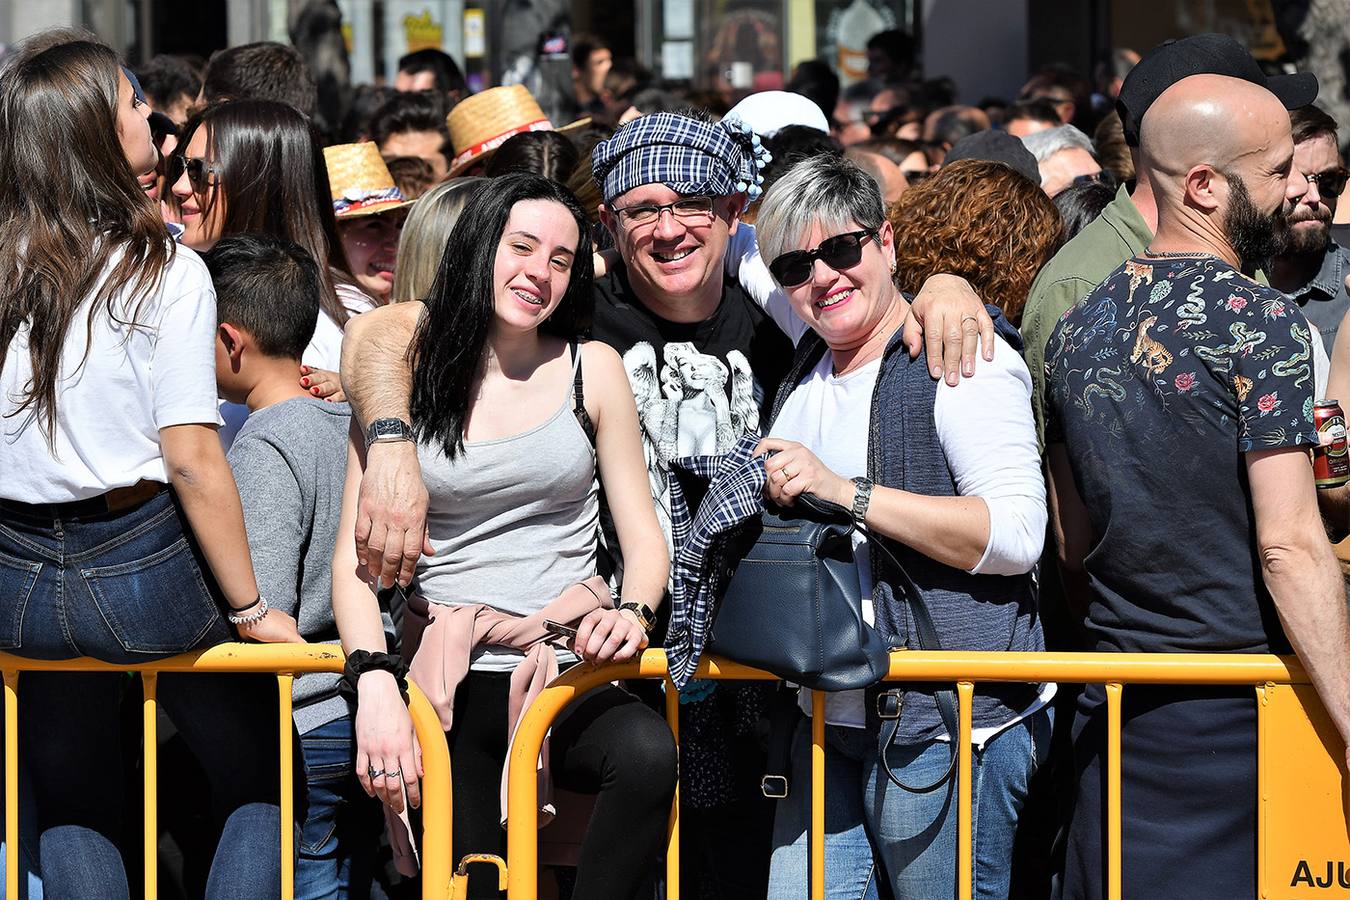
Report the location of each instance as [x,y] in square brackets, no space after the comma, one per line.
[1331,457]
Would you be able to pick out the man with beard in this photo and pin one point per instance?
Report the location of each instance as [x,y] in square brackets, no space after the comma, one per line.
[1312,268]
[1181,396]
[1126,225]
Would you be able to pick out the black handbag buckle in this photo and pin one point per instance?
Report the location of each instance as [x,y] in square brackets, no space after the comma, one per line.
[889,704]
[774,787]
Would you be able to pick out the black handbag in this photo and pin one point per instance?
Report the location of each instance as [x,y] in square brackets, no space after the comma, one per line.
[792,605]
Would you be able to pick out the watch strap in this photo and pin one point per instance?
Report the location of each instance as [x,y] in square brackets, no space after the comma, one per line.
[862,496]
[645,616]
[389,429]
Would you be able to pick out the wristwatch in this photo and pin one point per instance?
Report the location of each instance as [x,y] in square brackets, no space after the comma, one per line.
[385,430]
[646,618]
[862,495]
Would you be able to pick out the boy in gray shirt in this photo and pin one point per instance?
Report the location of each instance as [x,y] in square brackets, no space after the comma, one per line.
[290,462]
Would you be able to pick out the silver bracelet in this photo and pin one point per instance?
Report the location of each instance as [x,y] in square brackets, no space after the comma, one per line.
[252,618]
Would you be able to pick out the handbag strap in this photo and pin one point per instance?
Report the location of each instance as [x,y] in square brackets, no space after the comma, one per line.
[926,632]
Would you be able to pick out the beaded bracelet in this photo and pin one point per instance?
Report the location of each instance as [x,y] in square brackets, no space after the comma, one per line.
[252,618]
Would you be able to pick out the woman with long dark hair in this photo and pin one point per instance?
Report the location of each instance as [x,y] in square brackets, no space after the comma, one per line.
[514,420]
[256,166]
[121,533]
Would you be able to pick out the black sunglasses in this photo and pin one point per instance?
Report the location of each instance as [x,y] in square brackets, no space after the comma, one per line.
[843,251]
[201,174]
[1329,184]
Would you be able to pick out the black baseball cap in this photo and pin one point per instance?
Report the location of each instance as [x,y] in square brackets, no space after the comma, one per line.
[996,146]
[1201,54]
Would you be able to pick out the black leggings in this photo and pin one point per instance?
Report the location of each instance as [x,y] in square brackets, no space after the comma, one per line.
[610,744]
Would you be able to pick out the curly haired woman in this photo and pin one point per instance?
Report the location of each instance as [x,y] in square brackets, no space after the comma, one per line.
[1019,230]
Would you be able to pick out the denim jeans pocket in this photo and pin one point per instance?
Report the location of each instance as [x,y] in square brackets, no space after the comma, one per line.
[17,578]
[158,604]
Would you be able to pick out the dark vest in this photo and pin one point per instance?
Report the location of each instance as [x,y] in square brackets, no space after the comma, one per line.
[971,612]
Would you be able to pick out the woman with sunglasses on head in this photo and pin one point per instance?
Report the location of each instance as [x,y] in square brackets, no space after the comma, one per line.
[949,479]
[256,166]
[514,420]
[121,533]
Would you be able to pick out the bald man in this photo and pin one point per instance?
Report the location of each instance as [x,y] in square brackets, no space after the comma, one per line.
[1180,417]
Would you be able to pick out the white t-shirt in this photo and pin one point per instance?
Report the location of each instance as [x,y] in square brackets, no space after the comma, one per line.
[109,410]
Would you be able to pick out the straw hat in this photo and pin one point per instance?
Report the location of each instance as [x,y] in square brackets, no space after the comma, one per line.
[481,123]
[360,181]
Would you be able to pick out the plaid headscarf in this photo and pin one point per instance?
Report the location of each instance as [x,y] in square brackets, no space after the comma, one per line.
[684,154]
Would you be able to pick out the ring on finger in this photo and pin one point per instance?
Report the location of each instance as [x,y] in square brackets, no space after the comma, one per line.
[970,318]
[375,773]
[397,773]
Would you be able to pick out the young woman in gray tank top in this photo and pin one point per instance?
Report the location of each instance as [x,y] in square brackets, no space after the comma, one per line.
[511,446]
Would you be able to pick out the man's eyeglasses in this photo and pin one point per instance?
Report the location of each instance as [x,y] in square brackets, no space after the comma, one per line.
[201,174]
[1329,184]
[686,208]
[843,251]
[914,176]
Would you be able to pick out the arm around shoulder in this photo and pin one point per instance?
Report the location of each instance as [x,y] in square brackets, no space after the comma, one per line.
[376,372]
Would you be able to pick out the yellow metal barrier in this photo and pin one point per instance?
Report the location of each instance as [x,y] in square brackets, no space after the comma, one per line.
[965,669]
[285,661]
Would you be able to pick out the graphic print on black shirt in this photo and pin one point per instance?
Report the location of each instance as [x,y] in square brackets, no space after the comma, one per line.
[1159,382]
[699,385]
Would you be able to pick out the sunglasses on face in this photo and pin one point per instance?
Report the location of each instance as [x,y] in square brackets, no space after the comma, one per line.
[201,174]
[843,251]
[1329,184]
[914,176]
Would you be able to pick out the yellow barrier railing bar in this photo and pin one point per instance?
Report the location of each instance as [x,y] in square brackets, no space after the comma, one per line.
[1113,799]
[965,692]
[965,668]
[284,686]
[816,838]
[673,835]
[283,661]
[12,784]
[150,740]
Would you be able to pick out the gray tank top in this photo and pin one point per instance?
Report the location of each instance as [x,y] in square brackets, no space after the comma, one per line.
[513,521]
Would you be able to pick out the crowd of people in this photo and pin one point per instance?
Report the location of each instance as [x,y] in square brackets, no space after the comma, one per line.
[429,382]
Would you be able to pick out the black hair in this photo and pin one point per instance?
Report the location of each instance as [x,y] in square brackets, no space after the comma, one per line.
[582,48]
[452,336]
[954,124]
[1311,121]
[366,101]
[412,111]
[897,150]
[165,78]
[1033,110]
[449,79]
[265,70]
[270,288]
[792,144]
[816,81]
[275,180]
[1079,204]
[897,45]
[546,153]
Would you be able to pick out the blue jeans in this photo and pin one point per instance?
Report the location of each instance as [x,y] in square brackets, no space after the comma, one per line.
[342,830]
[127,588]
[875,830]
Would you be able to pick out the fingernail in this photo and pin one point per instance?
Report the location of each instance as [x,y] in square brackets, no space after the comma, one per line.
[970,369]
[304,382]
[937,371]
[314,391]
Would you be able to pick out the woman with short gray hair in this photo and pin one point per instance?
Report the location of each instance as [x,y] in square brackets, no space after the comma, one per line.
[949,479]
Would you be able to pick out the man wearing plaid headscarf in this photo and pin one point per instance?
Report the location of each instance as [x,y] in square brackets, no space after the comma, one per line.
[703,359]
